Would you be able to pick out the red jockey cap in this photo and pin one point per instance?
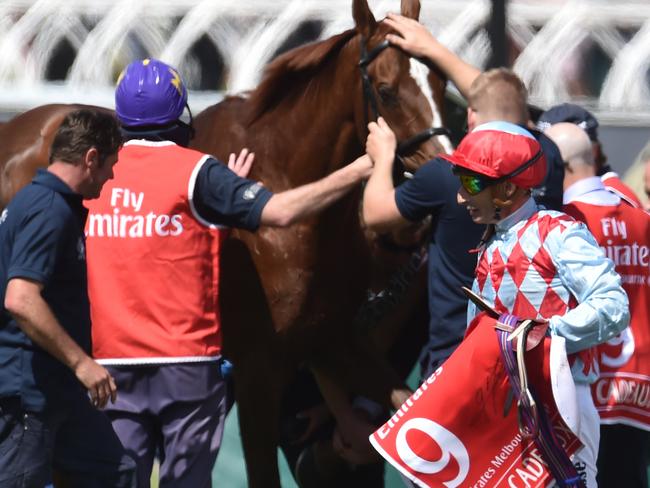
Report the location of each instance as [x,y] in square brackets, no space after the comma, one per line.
[501,151]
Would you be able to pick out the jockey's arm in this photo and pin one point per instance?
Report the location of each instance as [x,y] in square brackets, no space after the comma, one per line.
[380,211]
[288,207]
[603,310]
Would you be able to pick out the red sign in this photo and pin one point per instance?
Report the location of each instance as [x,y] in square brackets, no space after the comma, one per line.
[459,429]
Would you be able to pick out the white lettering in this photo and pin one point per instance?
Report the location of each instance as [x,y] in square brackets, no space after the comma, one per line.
[624,344]
[525,476]
[622,228]
[383,432]
[533,466]
[627,254]
[150,218]
[136,201]
[605,223]
[100,225]
[623,392]
[617,227]
[161,224]
[134,226]
[123,221]
[116,221]
[137,228]
[449,444]
[116,194]
[177,222]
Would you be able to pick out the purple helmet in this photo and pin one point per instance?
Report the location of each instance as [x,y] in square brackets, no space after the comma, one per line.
[149,92]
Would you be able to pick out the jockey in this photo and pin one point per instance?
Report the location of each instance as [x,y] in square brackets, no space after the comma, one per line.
[153,240]
[539,263]
[534,263]
[624,232]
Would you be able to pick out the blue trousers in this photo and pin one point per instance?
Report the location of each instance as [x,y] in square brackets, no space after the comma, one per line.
[78,441]
[175,410]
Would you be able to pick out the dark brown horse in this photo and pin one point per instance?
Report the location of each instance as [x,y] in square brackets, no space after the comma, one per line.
[288,296]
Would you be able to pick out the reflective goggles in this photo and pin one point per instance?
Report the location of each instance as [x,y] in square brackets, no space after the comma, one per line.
[474,184]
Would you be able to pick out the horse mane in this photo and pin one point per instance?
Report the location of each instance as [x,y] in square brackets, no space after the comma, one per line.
[290,69]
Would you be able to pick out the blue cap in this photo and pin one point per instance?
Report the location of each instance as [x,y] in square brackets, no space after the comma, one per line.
[569,112]
[149,92]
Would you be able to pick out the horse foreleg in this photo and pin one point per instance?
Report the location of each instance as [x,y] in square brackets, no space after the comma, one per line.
[258,394]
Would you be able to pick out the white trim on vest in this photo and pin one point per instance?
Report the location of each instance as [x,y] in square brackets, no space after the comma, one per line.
[146,142]
[621,196]
[192,182]
[157,360]
[190,194]
[623,420]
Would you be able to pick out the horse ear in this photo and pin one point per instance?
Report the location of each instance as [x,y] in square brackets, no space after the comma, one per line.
[411,9]
[363,18]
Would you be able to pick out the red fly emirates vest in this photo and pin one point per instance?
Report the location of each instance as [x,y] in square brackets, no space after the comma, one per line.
[622,393]
[153,264]
[614,184]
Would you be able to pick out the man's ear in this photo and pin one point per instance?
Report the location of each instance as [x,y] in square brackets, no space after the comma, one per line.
[471,119]
[91,158]
[510,189]
[503,194]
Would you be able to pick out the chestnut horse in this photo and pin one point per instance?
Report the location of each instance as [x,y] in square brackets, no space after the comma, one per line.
[289,295]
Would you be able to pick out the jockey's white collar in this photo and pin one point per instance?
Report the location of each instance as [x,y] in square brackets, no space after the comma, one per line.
[524,212]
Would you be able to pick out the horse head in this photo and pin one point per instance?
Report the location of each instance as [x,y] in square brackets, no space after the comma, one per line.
[338,85]
[399,88]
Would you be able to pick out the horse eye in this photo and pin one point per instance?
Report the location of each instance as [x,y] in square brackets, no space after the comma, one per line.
[387,94]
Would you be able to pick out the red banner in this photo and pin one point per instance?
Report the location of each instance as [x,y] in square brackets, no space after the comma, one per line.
[622,392]
[459,429]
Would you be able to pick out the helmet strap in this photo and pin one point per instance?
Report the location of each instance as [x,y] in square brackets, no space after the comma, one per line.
[179,132]
[190,126]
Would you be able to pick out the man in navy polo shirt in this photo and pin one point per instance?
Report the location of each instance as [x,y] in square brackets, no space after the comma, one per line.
[47,378]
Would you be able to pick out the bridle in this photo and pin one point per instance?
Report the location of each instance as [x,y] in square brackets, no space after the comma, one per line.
[371,108]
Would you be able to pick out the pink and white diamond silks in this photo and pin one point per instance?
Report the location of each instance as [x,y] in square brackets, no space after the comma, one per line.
[517,274]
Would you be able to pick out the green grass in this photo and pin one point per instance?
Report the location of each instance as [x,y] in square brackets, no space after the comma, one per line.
[230,471]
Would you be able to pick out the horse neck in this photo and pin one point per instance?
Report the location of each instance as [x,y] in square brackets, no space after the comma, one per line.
[318,130]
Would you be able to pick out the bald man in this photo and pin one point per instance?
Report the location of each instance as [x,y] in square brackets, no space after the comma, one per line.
[575,148]
[623,232]
[575,114]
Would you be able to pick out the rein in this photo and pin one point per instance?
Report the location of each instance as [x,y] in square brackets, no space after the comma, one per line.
[512,336]
[371,107]
[533,420]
